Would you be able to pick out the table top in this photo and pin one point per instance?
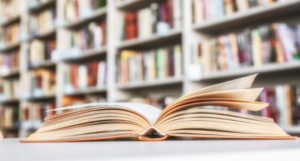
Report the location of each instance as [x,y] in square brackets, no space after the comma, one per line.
[11,149]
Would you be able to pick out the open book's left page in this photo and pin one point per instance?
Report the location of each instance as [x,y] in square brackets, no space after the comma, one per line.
[148,111]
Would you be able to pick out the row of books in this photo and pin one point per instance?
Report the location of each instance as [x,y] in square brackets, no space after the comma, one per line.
[89,37]
[160,103]
[78,9]
[42,22]
[9,9]
[9,89]
[38,83]
[274,43]
[214,9]
[135,66]
[83,76]
[9,117]
[33,114]
[9,61]
[158,18]
[10,34]
[76,100]
[40,51]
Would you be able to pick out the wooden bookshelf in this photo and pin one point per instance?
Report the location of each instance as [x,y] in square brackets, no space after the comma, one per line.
[184,36]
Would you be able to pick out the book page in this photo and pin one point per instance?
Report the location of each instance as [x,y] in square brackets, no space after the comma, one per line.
[148,111]
[241,83]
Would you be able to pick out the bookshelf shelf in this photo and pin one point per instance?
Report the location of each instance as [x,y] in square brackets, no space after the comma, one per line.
[87,55]
[10,101]
[10,47]
[44,35]
[292,129]
[134,4]
[269,68]
[45,64]
[250,16]
[95,16]
[11,20]
[11,73]
[43,6]
[154,40]
[41,98]
[90,90]
[154,83]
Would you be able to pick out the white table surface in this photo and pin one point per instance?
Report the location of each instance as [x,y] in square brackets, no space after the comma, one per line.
[281,150]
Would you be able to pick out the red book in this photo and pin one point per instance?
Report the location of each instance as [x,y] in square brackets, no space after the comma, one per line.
[74,77]
[170,13]
[76,6]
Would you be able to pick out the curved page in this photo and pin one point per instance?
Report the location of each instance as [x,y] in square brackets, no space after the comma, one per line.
[149,111]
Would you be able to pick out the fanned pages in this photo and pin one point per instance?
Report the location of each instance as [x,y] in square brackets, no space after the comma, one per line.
[185,117]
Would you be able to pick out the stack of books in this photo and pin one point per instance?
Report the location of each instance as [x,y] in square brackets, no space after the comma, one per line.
[10,89]
[274,43]
[158,18]
[9,61]
[33,114]
[204,10]
[84,76]
[137,66]
[42,22]
[78,9]
[41,51]
[39,83]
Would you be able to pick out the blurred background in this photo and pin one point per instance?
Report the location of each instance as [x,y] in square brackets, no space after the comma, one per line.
[57,53]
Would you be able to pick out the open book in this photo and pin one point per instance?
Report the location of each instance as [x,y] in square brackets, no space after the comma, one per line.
[185,117]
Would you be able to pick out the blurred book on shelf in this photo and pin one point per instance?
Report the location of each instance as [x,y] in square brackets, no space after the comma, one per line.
[40,52]
[9,9]
[33,114]
[78,9]
[9,61]
[160,103]
[38,83]
[204,10]
[9,117]
[9,90]
[84,76]
[137,66]
[89,38]
[77,100]
[158,18]
[42,22]
[274,43]
[9,35]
